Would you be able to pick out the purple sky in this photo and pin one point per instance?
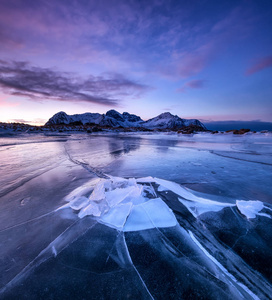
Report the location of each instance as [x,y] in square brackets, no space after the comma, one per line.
[210,60]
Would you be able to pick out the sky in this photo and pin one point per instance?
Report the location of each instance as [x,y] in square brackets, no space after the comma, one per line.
[208,59]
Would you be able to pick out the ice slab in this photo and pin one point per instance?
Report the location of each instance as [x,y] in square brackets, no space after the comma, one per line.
[117,216]
[199,207]
[79,202]
[151,214]
[195,204]
[91,209]
[251,209]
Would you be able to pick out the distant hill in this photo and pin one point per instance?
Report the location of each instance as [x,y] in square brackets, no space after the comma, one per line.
[115,119]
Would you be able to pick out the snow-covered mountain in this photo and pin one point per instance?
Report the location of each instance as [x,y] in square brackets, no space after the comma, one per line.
[112,118]
[115,119]
[167,120]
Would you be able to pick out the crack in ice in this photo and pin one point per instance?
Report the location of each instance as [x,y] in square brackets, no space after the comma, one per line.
[217,263]
[129,257]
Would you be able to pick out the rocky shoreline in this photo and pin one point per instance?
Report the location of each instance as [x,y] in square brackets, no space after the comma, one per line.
[88,128]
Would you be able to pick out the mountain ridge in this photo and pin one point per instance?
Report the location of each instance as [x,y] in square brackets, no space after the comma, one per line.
[113,118]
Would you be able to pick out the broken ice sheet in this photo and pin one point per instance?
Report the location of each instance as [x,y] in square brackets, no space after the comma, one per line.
[123,204]
[142,234]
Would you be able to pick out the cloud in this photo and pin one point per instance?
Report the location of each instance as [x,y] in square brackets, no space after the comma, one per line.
[22,79]
[36,121]
[193,84]
[18,121]
[261,64]
[173,39]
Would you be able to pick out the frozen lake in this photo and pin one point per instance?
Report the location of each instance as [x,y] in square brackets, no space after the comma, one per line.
[198,237]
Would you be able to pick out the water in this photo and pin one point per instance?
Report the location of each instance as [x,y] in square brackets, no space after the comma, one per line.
[38,172]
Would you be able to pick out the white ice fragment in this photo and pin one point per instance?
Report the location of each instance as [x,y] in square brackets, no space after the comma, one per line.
[132,182]
[118,195]
[79,202]
[178,189]
[137,191]
[92,210]
[117,182]
[196,205]
[151,214]
[98,193]
[136,200]
[161,188]
[197,208]
[249,208]
[82,190]
[117,216]
[145,179]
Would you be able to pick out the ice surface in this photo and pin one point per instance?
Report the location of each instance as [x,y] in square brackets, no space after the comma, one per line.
[221,267]
[111,228]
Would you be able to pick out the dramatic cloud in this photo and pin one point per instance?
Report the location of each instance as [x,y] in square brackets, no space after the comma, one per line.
[22,79]
[263,63]
[162,37]
[193,84]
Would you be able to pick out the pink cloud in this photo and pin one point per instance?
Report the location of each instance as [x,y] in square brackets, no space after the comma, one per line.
[261,64]
[193,84]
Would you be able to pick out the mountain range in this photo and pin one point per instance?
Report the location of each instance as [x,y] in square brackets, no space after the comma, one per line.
[115,119]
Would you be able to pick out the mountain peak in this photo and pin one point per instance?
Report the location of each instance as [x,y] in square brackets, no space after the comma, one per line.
[165,115]
[115,114]
[114,119]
